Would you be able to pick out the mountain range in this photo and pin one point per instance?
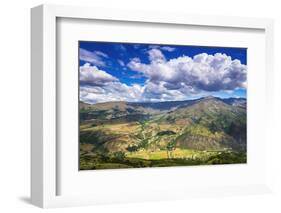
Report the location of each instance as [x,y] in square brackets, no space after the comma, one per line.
[208,124]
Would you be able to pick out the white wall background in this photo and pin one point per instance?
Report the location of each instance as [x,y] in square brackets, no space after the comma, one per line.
[15,98]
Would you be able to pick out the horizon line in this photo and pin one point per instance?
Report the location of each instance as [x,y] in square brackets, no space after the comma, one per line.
[205,97]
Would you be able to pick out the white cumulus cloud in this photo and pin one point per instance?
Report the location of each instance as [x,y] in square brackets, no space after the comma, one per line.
[99,86]
[203,72]
[156,56]
[166,80]
[96,57]
[91,75]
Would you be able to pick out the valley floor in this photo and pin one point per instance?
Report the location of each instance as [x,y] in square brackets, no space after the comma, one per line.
[178,157]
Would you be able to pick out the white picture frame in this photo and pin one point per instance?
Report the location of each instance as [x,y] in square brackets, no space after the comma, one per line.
[44,155]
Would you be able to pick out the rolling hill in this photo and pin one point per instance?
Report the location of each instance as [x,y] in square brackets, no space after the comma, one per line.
[142,131]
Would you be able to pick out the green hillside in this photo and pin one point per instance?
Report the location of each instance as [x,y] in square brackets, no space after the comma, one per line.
[197,132]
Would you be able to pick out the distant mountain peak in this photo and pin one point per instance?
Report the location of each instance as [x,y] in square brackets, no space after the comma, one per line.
[209,97]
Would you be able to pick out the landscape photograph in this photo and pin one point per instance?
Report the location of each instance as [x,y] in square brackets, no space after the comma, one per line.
[161,105]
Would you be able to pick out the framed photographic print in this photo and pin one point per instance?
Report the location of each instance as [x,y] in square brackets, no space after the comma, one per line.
[148,105]
[161,105]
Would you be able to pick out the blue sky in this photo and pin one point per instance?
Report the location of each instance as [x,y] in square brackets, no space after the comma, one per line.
[153,72]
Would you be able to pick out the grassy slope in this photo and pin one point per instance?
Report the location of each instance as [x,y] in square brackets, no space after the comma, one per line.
[180,137]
